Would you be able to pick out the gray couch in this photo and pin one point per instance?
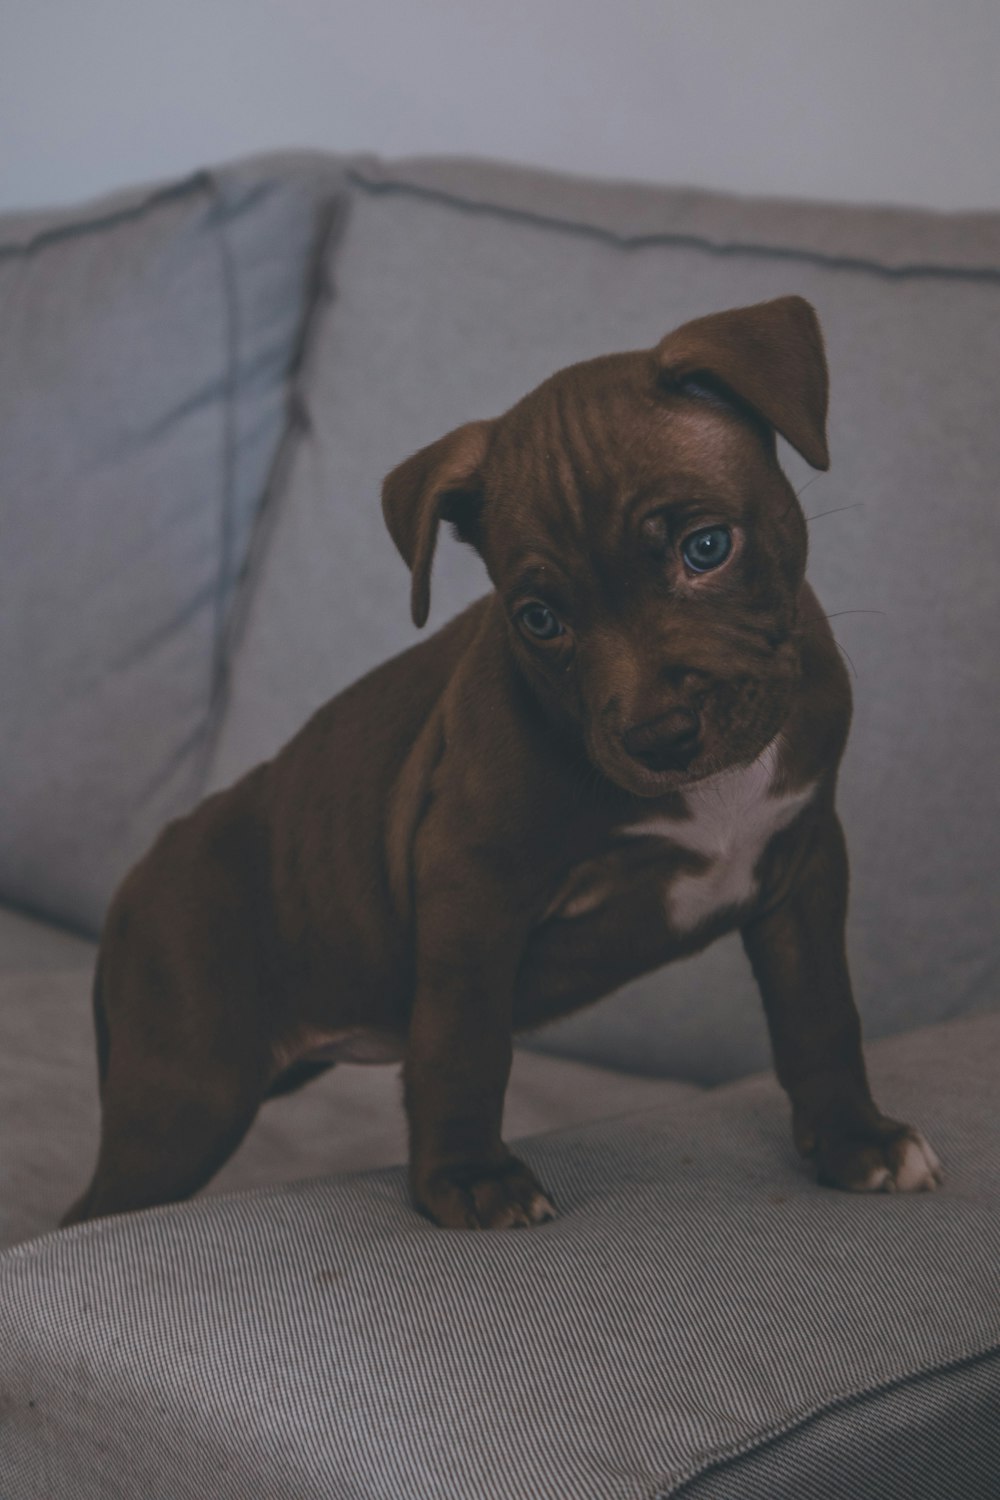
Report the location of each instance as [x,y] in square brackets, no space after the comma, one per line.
[201,385]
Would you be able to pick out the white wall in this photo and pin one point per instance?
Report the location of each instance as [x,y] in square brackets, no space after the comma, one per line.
[893,100]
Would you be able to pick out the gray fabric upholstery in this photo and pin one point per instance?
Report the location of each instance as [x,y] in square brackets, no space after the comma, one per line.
[31,947]
[701,1319]
[458,286]
[146,346]
[913,1441]
[350,1119]
[641,214]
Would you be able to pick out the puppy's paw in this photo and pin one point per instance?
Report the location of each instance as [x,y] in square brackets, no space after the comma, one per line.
[483,1196]
[877,1156]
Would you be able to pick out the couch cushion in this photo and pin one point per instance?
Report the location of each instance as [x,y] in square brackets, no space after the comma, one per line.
[143,387]
[458,287]
[700,1319]
[347,1120]
[31,947]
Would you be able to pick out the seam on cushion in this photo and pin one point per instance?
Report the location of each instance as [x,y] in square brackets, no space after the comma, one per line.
[319,291]
[683,241]
[227,516]
[164,630]
[192,745]
[109,220]
[196,744]
[63,925]
[773,1436]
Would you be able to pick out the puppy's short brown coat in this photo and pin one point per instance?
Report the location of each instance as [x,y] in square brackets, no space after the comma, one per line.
[627,749]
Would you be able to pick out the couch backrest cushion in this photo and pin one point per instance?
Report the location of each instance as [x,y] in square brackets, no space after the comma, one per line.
[458,287]
[146,346]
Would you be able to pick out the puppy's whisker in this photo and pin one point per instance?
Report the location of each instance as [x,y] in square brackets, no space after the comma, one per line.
[843,649]
[787,510]
[800,492]
[844,652]
[835,511]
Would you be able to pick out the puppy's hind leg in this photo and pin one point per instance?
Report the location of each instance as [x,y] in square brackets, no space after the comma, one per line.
[182,1077]
[160,1144]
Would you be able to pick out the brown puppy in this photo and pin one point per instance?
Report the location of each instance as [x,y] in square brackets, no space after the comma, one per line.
[628,748]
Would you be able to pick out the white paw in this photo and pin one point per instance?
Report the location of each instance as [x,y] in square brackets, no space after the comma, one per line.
[911,1166]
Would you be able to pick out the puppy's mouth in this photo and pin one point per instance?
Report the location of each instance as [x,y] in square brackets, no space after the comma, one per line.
[678,750]
[652,782]
[656,781]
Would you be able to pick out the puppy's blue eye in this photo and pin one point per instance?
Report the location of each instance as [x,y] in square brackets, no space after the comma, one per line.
[704,550]
[539,621]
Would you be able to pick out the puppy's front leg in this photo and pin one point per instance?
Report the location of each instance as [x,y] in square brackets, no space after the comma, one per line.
[459,1053]
[797,952]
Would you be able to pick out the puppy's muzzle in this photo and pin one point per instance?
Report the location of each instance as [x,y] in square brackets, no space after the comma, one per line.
[667,743]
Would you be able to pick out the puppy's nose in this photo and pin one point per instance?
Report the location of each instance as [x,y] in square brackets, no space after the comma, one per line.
[667,743]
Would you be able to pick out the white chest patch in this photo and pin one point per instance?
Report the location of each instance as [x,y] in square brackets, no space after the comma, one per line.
[733,816]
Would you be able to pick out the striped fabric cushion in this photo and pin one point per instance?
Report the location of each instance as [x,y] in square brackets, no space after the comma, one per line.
[702,1320]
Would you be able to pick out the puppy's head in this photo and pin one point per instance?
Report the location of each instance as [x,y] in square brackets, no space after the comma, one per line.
[646,546]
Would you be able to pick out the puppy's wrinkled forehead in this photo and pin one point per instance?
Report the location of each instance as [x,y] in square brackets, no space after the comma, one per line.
[698,412]
[578,458]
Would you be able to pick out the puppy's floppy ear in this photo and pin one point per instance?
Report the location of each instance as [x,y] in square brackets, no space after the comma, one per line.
[439,483]
[770,357]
